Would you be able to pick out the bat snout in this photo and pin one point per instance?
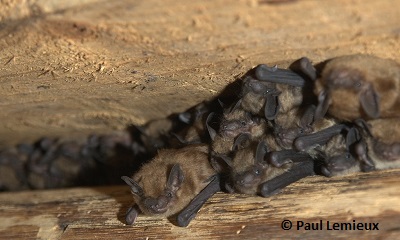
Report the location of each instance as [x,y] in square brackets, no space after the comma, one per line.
[156,205]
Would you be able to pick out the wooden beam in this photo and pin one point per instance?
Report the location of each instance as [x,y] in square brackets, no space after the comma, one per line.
[98,213]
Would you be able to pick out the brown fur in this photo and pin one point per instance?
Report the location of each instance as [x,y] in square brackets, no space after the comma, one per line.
[223,142]
[384,144]
[244,162]
[346,77]
[152,177]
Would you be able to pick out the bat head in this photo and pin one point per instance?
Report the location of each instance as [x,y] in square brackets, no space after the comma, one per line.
[237,121]
[249,169]
[157,203]
[344,86]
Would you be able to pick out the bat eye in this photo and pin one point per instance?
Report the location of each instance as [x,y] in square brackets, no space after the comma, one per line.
[256,171]
[243,123]
[169,194]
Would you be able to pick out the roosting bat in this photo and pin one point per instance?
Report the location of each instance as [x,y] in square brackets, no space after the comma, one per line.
[255,94]
[381,143]
[359,86]
[235,121]
[168,183]
[250,173]
[195,120]
[373,145]
[338,154]
[294,123]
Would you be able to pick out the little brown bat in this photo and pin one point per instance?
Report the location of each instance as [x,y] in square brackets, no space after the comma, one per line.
[338,156]
[168,183]
[250,172]
[195,120]
[294,123]
[359,86]
[235,121]
[380,143]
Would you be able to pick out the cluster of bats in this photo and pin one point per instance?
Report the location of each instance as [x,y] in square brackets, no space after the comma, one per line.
[267,130]
[52,163]
[337,117]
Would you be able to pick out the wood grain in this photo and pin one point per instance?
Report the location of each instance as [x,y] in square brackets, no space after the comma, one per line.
[98,213]
[77,67]
[70,68]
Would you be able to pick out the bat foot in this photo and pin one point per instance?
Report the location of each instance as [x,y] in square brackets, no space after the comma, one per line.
[326,172]
[266,191]
[276,160]
[183,221]
[131,215]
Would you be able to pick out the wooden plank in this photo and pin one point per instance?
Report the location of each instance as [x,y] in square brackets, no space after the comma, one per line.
[88,66]
[98,213]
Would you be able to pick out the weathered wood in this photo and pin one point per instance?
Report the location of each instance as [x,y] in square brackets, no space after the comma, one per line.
[69,68]
[98,213]
[72,68]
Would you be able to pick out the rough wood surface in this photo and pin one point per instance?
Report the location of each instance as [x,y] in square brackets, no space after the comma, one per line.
[98,213]
[70,68]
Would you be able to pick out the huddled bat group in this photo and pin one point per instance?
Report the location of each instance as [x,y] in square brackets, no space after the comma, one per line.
[337,117]
[284,125]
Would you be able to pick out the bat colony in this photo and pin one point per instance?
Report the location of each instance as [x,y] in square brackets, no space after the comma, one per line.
[335,118]
[285,124]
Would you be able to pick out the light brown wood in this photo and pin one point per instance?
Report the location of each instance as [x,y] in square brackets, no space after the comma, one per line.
[98,213]
[77,67]
[70,68]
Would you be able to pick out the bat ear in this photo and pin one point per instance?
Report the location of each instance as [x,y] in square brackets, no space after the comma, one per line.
[236,106]
[352,137]
[240,141]
[271,105]
[221,163]
[261,152]
[308,117]
[324,101]
[135,188]
[361,123]
[211,131]
[369,101]
[175,178]
[185,117]
[221,103]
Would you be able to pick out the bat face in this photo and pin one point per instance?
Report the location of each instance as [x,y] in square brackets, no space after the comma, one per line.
[248,169]
[359,86]
[157,199]
[254,93]
[236,122]
[166,185]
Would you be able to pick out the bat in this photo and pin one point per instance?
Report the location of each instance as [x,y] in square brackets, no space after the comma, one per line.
[234,122]
[12,172]
[318,137]
[381,142]
[359,86]
[194,120]
[250,172]
[168,183]
[339,156]
[254,93]
[155,133]
[294,123]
